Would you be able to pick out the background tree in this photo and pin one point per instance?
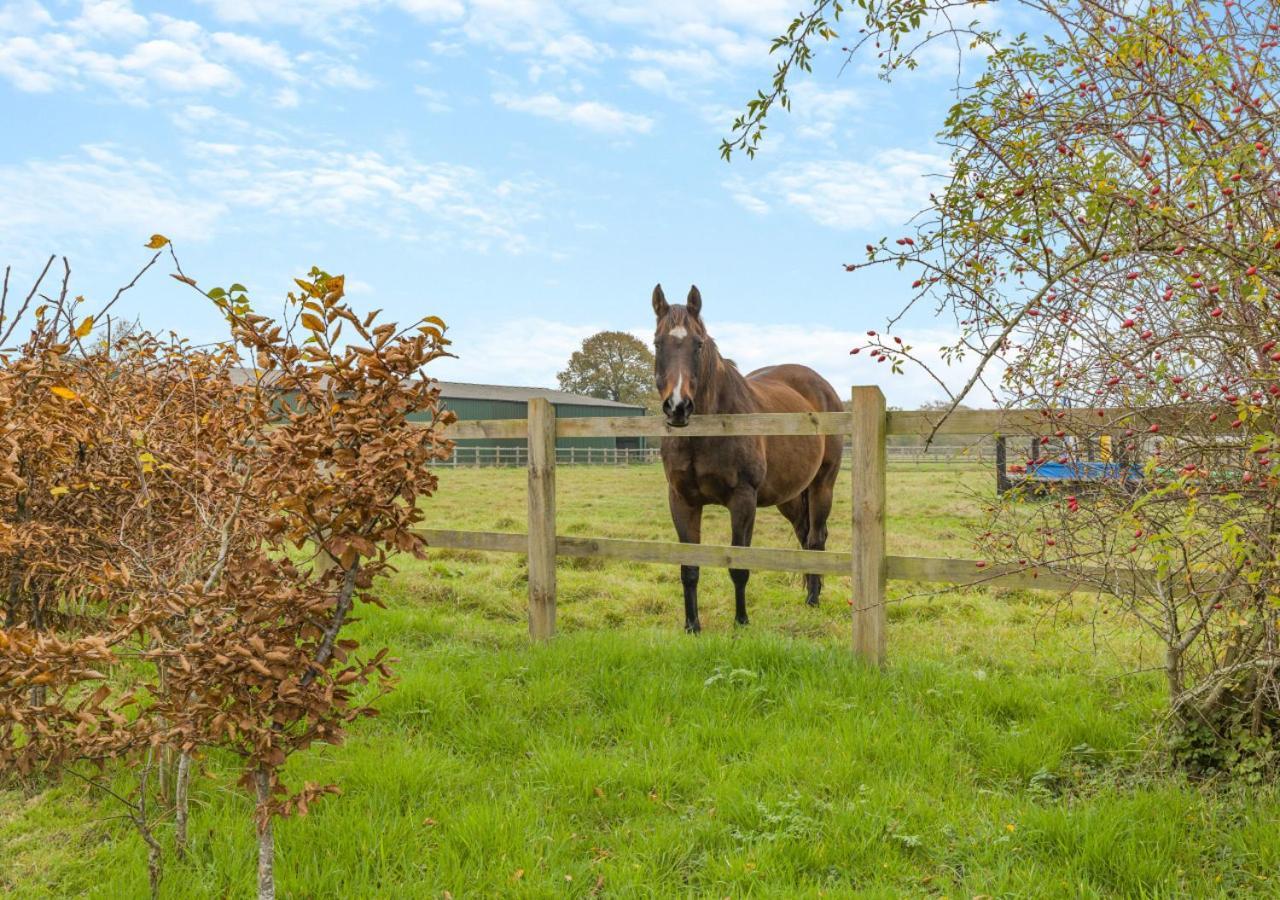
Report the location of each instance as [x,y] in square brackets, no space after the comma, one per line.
[611,365]
[1107,238]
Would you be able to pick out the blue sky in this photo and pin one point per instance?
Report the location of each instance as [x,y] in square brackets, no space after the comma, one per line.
[524,169]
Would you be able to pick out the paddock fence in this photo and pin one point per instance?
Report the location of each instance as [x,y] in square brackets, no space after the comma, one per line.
[518,457]
[867,423]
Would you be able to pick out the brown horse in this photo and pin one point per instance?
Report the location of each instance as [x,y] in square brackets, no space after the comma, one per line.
[796,473]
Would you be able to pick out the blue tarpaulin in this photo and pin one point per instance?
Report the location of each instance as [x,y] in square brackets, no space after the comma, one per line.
[1083,471]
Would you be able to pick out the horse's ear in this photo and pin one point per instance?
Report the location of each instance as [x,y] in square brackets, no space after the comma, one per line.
[694,303]
[660,305]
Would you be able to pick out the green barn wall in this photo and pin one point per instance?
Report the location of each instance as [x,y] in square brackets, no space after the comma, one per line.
[468,409]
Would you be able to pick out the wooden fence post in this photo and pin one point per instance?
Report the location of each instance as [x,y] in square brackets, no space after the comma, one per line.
[542,519]
[869,566]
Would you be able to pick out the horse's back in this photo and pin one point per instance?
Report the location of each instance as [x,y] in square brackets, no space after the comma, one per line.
[816,392]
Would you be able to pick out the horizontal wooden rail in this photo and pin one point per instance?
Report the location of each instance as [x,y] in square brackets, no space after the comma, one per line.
[768,558]
[1030,421]
[911,422]
[707,426]
[957,572]
[654,426]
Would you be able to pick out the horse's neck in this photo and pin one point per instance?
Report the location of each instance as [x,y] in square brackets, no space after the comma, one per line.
[725,390]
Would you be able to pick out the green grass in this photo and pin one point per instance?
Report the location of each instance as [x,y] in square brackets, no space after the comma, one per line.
[1006,750]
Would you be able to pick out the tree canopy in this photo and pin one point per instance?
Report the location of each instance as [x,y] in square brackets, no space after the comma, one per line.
[611,365]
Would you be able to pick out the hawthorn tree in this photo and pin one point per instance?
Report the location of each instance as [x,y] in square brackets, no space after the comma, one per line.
[611,365]
[1106,238]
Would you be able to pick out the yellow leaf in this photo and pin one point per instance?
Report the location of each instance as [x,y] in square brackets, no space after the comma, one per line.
[312,322]
[59,491]
[64,393]
[85,327]
[157,241]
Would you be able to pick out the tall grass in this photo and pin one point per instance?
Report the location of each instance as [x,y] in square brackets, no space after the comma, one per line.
[1005,751]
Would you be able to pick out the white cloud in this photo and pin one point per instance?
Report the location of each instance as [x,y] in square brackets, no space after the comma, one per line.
[199,117]
[432,10]
[818,111]
[589,114]
[344,75]
[159,53]
[286,98]
[305,14]
[23,17]
[750,202]
[696,62]
[503,353]
[680,17]
[178,67]
[574,49]
[407,199]
[436,100]
[847,194]
[97,192]
[105,190]
[523,351]
[253,51]
[110,20]
[826,350]
[175,59]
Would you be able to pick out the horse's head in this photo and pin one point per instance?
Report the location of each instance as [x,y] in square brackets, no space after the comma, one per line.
[678,357]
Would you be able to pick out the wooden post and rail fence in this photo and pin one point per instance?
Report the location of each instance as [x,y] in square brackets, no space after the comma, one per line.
[867,561]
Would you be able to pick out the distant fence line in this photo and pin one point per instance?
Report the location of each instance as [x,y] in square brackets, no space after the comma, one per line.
[518,457]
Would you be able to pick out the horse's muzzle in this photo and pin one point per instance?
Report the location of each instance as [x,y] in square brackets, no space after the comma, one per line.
[677,413]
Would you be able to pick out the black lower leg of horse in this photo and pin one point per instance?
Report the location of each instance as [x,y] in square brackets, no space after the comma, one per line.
[742,518]
[689,581]
[819,502]
[797,513]
[688,521]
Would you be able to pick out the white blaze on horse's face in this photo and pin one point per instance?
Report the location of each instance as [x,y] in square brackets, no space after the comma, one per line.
[678,353]
[677,359]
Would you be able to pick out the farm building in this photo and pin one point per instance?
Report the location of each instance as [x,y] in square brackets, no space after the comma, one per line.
[496,401]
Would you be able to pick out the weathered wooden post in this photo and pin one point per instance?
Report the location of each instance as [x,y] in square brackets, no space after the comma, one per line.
[542,519]
[869,565]
[1002,471]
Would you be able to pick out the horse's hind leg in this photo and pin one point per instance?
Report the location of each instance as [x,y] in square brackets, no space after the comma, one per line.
[797,513]
[819,497]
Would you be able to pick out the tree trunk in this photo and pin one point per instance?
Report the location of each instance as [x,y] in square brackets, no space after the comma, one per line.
[266,840]
[181,806]
[154,870]
[1173,669]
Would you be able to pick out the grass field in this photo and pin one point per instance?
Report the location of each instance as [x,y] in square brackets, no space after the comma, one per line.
[1008,750]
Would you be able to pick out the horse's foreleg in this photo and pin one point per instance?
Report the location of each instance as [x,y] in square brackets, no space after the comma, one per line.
[688,521]
[742,519]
